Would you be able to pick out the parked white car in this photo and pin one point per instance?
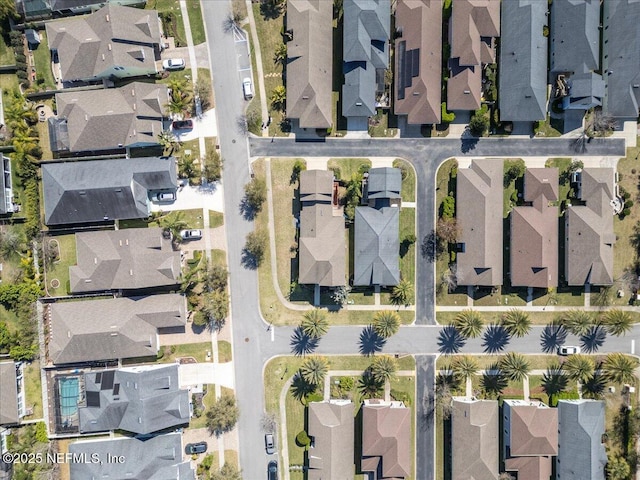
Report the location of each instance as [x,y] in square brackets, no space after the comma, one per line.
[174,64]
[163,197]
[568,350]
[194,234]
[247,88]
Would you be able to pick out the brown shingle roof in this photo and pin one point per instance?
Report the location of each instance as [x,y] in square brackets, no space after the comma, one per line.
[316,185]
[533,428]
[479,217]
[530,468]
[310,61]
[534,232]
[386,438]
[475,440]
[331,425]
[418,60]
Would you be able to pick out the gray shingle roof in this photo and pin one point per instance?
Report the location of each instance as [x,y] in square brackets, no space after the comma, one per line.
[384,182]
[479,217]
[367,24]
[621,57]
[156,458]
[331,424]
[124,327]
[581,454]
[109,119]
[523,61]
[310,62]
[139,399]
[134,258]
[575,39]
[114,36]
[418,61]
[377,246]
[475,440]
[8,394]
[86,192]
[589,231]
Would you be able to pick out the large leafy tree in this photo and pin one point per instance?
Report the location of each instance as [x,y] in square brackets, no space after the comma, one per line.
[578,367]
[516,322]
[386,323]
[314,323]
[314,369]
[619,368]
[514,366]
[468,323]
[618,468]
[383,368]
[223,414]
[618,322]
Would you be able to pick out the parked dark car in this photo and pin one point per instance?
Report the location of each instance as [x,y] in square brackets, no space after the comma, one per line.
[183,124]
[272,470]
[195,448]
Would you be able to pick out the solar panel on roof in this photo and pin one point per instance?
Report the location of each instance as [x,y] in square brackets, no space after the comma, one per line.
[93,399]
[107,380]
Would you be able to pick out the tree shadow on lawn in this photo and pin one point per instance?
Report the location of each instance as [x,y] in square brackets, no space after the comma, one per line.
[552,338]
[495,338]
[593,340]
[301,343]
[494,381]
[554,381]
[450,340]
[370,342]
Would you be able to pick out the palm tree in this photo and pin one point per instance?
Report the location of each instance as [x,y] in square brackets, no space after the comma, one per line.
[167,141]
[383,368]
[619,368]
[577,322]
[516,322]
[314,369]
[173,222]
[464,366]
[187,167]
[514,366]
[578,367]
[553,380]
[314,323]
[280,55]
[386,323]
[618,322]
[279,98]
[468,323]
[402,293]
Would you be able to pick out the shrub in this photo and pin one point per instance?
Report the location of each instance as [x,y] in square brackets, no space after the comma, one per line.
[303,439]
[448,207]
[453,256]
[347,383]
[447,117]
[41,433]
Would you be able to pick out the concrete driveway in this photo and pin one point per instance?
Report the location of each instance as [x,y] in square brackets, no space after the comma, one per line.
[206,373]
[209,196]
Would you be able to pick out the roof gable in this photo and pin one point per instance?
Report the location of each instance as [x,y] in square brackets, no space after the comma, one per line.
[377,246]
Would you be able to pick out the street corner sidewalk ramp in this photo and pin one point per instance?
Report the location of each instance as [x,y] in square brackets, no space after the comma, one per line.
[191,374]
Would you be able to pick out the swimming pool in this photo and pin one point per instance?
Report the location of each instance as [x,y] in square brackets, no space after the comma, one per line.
[68,394]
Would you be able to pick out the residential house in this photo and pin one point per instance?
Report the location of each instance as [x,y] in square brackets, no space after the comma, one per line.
[331,429]
[376,240]
[155,457]
[480,222]
[418,52]
[114,42]
[112,328]
[534,231]
[6,186]
[367,25]
[310,63]
[11,393]
[32,10]
[109,120]
[322,244]
[474,439]
[621,58]
[589,235]
[104,190]
[530,438]
[581,452]
[133,259]
[474,27]
[523,61]
[575,53]
[140,400]
[386,439]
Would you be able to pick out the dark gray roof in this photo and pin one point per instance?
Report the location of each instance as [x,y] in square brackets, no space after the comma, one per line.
[155,458]
[581,453]
[108,119]
[8,394]
[586,90]
[85,192]
[331,424]
[384,182]
[136,399]
[126,259]
[523,61]
[621,57]
[377,246]
[92,46]
[6,191]
[127,327]
[575,37]
[366,48]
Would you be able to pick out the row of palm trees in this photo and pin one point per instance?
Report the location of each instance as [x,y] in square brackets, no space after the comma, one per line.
[517,323]
[315,325]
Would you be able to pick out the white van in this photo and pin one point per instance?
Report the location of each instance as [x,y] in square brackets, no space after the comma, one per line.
[247,88]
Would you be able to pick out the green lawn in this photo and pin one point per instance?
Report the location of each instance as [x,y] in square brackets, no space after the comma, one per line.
[224,351]
[43,135]
[345,168]
[197,24]
[408,261]
[216,219]
[193,218]
[195,350]
[296,414]
[489,318]
[42,58]
[254,109]
[171,6]
[7,56]
[33,389]
[60,269]
[219,256]
[8,82]
[10,318]
[408,192]
[536,362]
[384,125]
[624,252]
[551,127]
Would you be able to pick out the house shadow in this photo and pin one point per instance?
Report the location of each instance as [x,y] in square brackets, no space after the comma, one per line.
[370,342]
[495,338]
[357,450]
[450,340]
[301,343]
[591,341]
[552,338]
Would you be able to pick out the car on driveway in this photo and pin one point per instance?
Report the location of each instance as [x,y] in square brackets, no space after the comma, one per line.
[183,124]
[195,448]
[161,197]
[272,470]
[269,444]
[194,234]
[174,64]
[568,350]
